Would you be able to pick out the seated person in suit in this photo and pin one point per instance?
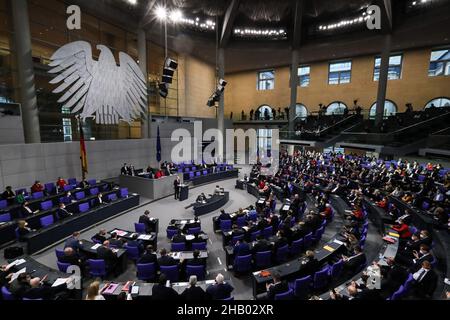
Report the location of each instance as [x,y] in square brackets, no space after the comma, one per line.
[104,252]
[162,292]
[392,277]
[70,256]
[281,240]
[190,225]
[99,200]
[26,211]
[145,219]
[68,198]
[352,264]
[148,257]
[241,248]
[83,184]
[100,236]
[20,285]
[424,254]
[40,289]
[309,266]
[9,195]
[220,289]
[194,293]
[166,260]
[179,237]
[22,229]
[276,287]
[425,281]
[195,261]
[224,216]
[201,198]
[37,187]
[261,245]
[236,231]
[74,242]
[115,242]
[62,212]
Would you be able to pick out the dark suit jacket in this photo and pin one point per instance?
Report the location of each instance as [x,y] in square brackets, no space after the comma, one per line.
[355,262]
[311,266]
[426,287]
[220,291]
[63,213]
[107,255]
[178,238]
[116,243]
[161,292]
[194,294]
[280,287]
[167,261]
[73,259]
[146,220]
[148,258]
[73,243]
[242,249]
[224,216]
[261,246]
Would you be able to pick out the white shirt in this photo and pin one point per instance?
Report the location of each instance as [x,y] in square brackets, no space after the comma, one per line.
[419,274]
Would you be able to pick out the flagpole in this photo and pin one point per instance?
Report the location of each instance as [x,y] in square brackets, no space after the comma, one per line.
[83,156]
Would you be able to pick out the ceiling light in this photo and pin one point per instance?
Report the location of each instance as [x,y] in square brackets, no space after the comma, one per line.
[161,13]
[176,15]
[133,2]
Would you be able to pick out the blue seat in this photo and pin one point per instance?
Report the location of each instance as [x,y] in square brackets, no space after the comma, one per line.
[46,205]
[242,264]
[263,259]
[252,215]
[307,241]
[318,234]
[123,192]
[408,282]
[362,241]
[241,221]
[171,232]
[63,266]
[72,181]
[225,225]
[47,221]
[80,195]
[146,271]
[198,271]
[255,235]
[7,296]
[296,247]
[176,247]
[6,217]
[132,252]
[321,279]
[92,182]
[3,204]
[282,254]
[288,295]
[205,172]
[97,268]
[68,187]
[191,175]
[171,272]
[236,239]
[199,246]
[84,207]
[399,294]
[94,191]
[267,232]
[301,287]
[194,231]
[37,195]
[59,253]
[112,197]
[198,174]
[140,228]
[50,187]
[336,269]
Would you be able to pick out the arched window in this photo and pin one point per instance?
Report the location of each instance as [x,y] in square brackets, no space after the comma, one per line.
[439,103]
[301,111]
[336,108]
[390,109]
[264,110]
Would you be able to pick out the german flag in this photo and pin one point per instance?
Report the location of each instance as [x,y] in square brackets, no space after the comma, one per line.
[83,155]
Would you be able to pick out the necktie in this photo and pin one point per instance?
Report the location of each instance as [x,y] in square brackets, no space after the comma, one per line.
[421,275]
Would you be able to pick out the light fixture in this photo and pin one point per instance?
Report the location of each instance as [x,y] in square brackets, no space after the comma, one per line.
[161,12]
[176,16]
[133,2]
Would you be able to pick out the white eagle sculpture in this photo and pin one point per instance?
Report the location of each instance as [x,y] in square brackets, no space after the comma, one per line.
[99,89]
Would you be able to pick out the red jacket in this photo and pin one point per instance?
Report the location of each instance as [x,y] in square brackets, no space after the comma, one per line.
[403,230]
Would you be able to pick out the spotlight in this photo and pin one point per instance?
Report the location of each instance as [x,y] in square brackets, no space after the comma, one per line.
[176,16]
[133,2]
[161,12]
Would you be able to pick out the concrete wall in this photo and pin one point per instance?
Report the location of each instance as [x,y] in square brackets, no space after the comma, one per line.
[22,164]
[414,86]
[11,130]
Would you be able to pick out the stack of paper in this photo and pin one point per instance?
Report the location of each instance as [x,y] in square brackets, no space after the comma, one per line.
[96,246]
[145,237]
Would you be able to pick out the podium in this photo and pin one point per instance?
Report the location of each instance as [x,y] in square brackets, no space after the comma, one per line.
[184,192]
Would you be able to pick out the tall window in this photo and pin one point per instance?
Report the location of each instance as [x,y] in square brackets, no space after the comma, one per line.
[395,68]
[340,72]
[390,109]
[439,63]
[300,111]
[266,80]
[438,103]
[265,113]
[304,76]
[336,108]
[67,124]
[264,141]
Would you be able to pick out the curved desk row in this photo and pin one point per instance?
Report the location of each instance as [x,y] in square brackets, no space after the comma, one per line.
[45,237]
[211,177]
[212,204]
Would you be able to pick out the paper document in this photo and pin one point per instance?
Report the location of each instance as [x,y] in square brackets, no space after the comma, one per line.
[59,282]
[145,237]
[286,207]
[17,262]
[328,248]
[338,241]
[190,237]
[16,275]
[96,246]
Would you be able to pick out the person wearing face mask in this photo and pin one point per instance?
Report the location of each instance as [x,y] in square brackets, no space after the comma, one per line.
[424,254]
[62,212]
